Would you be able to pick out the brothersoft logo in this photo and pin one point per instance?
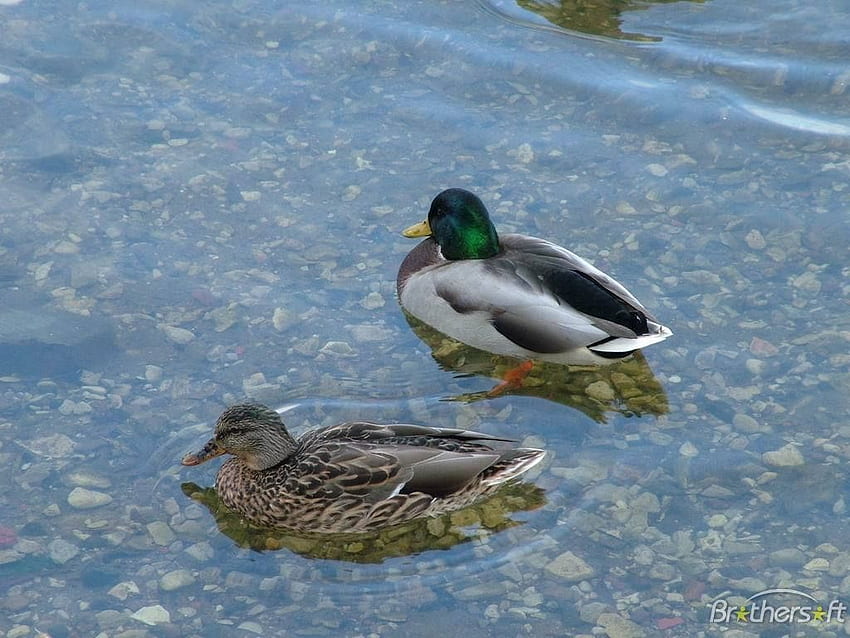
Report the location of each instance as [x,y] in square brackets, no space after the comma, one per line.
[757,609]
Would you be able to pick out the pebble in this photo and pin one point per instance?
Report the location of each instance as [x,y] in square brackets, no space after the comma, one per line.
[69,407]
[152,615]
[53,445]
[180,336]
[88,479]
[807,282]
[161,533]
[202,551]
[18,631]
[746,423]
[688,449]
[590,612]
[748,584]
[337,349]
[570,567]
[122,591]
[365,332]
[194,512]
[176,579]
[373,301]
[600,390]
[643,555]
[153,374]
[281,319]
[786,456]
[584,474]
[82,499]
[109,618]
[662,572]
[351,193]
[840,565]
[817,564]
[756,367]
[239,579]
[483,590]
[788,557]
[61,551]
[755,240]
[618,627]
[524,153]
[253,627]
[762,348]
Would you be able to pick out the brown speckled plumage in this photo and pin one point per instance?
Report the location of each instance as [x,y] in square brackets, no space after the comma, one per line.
[352,477]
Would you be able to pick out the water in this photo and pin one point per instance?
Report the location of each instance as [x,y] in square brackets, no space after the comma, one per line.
[203,203]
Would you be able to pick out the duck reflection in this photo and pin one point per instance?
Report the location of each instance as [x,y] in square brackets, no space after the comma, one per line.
[593,17]
[442,532]
[627,387]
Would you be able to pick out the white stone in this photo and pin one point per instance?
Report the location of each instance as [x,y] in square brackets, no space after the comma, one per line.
[688,449]
[200,551]
[338,349]
[161,533]
[83,478]
[755,240]
[122,591]
[152,615]
[82,499]
[786,456]
[372,301]
[61,551]
[52,445]
[253,627]
[176,579]
[180,336]
[570,567]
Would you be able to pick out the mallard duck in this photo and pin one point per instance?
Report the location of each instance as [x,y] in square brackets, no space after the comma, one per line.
[516,295]
[352,477]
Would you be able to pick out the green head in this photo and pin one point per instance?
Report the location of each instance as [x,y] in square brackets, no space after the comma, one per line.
[459,222]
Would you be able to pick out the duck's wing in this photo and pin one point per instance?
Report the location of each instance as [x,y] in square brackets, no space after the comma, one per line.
[412,434]
[544,257]
[378,461]
[374,473]
[542,297]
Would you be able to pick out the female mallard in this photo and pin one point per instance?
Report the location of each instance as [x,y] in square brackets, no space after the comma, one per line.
[516,295]
[352,477]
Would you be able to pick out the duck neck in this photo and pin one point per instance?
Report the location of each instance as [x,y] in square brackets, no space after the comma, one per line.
[277,446]
[478,241]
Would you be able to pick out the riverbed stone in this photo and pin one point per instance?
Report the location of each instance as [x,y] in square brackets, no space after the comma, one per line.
[570,567]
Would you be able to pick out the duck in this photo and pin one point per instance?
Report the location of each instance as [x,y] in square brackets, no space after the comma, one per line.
[516,295]
[357,476]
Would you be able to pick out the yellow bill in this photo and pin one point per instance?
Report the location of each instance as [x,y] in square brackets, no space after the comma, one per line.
[422,229]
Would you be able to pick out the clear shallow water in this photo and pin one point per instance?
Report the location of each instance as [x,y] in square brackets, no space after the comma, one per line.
[242,172]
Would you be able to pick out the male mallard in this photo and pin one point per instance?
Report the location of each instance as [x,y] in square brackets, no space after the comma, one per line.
[352,477]
[516,295]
